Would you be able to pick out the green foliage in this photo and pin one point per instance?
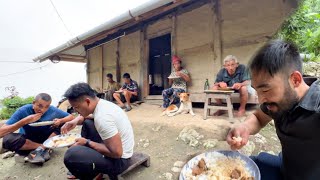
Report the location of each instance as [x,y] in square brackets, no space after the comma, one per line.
[12,104]
[303,29]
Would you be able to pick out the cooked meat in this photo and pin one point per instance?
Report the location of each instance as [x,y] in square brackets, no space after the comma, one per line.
[235,174]
[197,171]
[202,164]
[200,168]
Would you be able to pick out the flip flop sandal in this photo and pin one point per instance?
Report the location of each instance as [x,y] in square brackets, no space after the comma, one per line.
[70,175]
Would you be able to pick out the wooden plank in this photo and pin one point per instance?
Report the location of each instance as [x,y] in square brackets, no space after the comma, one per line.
[134,21]
[143,84]
[71,56]
[217,32]
[102,65]
[174,34]
[118,73]
[74,60]
[146,88]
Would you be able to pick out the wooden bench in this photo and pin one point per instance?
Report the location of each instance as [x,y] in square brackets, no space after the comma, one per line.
[136,160]
[216,94]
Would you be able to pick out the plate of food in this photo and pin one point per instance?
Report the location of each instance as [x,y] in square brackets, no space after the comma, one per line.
[63,140]
[42,123]
[216,165]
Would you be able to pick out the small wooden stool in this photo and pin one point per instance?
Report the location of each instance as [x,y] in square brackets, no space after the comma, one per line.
[218,94]
[136,160]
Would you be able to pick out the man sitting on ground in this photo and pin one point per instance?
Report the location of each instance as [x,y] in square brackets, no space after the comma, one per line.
[234,76]
[31,138]
[112,86]
[107,140]
[128,92]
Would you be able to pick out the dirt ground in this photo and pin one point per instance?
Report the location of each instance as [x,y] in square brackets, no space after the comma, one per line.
[157,137]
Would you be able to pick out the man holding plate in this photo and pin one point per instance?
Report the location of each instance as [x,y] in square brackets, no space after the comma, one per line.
[107,140]
[30,138]
[178,80]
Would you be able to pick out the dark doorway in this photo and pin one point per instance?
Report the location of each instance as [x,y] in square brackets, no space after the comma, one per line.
[159,63]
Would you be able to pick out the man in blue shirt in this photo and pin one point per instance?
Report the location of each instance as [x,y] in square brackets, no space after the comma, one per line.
[234,76]
[31,138]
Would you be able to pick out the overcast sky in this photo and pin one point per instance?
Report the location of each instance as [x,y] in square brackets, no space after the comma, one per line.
[30,28]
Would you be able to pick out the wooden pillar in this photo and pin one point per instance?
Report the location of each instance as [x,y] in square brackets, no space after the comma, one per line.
[118,72]
[173,34]
[102,67]
[217,32]
[87,65]
[144,70]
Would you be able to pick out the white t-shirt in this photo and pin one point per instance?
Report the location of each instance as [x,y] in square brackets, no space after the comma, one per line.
[110,119]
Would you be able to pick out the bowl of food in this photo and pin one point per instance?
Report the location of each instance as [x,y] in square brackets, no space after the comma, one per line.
[217,165]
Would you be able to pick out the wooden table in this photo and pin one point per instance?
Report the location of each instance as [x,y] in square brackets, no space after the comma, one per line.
[218,94]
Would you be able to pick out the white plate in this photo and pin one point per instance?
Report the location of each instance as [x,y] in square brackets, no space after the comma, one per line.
[171,77]
[43,123]
[49,143]
[250,164]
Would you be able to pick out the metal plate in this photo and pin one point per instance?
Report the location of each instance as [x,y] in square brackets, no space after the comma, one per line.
[250,164]
[50,143]
[42,123]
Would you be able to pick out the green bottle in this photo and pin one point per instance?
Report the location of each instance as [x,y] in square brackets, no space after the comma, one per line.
[206,85]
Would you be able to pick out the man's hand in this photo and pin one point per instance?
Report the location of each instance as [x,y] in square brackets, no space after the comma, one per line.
[80,141]
[238,136]
[236,86]
[223,84]
[57,122]
[33,118]
[68,127]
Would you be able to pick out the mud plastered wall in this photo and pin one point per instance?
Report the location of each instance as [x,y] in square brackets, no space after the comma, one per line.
[94,69]
[109,60]
[130,55]
[194,41]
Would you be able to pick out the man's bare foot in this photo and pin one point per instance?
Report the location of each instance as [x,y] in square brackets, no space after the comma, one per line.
[241,112]
[219,113]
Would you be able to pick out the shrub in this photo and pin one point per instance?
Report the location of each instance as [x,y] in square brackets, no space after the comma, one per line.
[12,104]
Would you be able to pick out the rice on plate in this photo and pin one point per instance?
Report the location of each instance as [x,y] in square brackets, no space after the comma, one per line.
[220,165]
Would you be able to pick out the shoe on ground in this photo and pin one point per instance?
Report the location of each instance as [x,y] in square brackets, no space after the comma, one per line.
[36,157]
[46,154]
[128,108]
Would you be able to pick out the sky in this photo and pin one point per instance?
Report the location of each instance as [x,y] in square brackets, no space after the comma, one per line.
[31,28]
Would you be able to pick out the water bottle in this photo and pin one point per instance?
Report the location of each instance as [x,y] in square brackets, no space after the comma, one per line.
[206,85]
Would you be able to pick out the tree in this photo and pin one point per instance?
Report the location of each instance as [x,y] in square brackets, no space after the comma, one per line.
[303,29]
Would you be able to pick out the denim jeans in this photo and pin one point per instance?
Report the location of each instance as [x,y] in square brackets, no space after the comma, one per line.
[269,166]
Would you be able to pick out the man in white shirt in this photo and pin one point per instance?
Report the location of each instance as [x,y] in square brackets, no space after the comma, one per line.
[107,140]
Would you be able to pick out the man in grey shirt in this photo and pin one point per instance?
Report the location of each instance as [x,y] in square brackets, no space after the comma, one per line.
[107,140]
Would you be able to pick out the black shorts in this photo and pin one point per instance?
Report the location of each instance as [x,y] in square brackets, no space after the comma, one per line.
[132,99]
[15,141]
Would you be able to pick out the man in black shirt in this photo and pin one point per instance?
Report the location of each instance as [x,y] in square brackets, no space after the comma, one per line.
[276,72]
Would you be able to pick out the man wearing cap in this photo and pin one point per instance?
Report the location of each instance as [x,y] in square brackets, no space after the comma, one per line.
[178,80]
